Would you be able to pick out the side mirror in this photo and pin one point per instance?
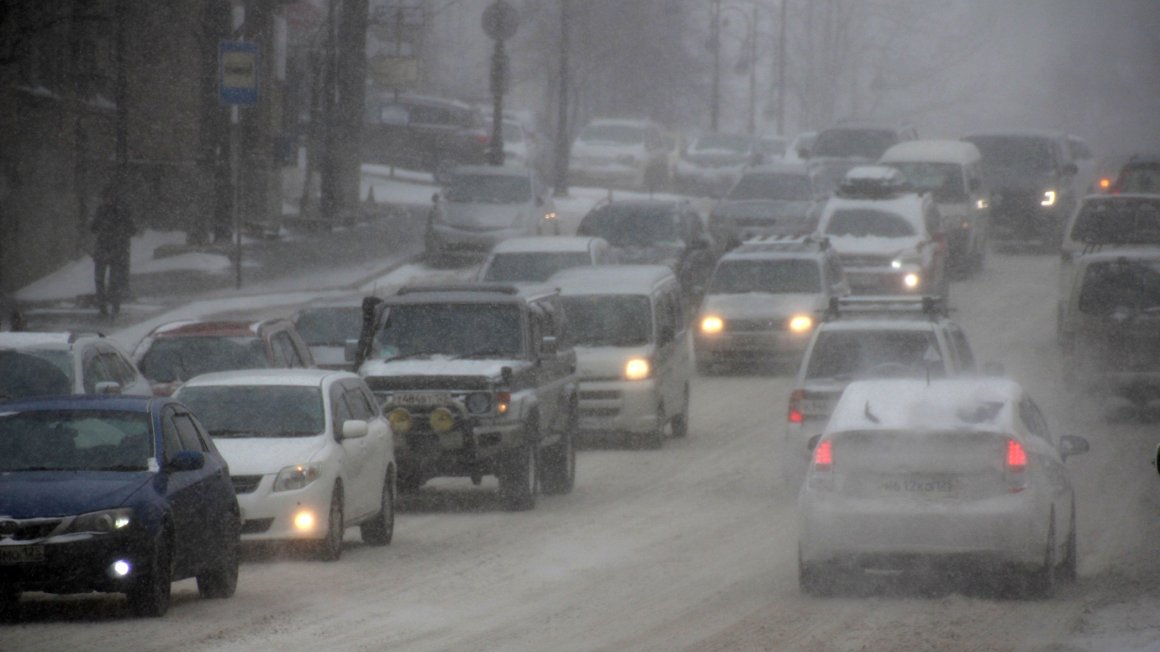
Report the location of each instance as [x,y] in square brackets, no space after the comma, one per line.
[354,429]
[187,461]
[108,387]
[350,350]
[1070,445]
[1156,459]
[549,346]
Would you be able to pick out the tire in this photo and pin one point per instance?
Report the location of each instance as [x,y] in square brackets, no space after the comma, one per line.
[812,580]
[222,580]
[1067,570]
[330,548]
[1040,582]
[379,530]
[559,468]
[149,595]
[655,438]
[680,422]
[519,481]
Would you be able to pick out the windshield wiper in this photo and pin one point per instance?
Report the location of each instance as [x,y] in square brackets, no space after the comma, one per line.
[226,432]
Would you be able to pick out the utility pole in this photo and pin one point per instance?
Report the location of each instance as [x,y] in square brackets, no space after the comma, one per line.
[563,143]
[752,126]
[120,91]
[781,71]
[715,46]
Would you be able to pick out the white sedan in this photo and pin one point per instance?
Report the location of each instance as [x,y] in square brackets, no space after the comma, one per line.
[945,475]
[309,451]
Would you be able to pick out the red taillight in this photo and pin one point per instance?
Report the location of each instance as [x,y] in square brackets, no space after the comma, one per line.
[1016,456]
[824,455]
[482,139]
[795,402]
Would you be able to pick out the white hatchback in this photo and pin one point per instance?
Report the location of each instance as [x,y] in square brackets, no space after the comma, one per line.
[310,453]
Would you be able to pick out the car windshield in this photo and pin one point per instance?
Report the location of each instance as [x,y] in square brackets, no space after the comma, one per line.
[62,360]
[257,410]
[489,189]
[723,143]
[608,320]
[23,374]
[1143,179]
[766,276]
[75,440]
[784,187]
[845,355]
[329,326]
[452,329]
[618,134]
[172,359]
[532,266]
[1024,154]
[1121,287]
[631,226]
[865,222]
[1118,221]
[853,143]
[944,180]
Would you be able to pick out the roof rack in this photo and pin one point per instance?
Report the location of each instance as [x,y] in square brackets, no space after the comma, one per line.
[929,305]
[460,287]
[785,241]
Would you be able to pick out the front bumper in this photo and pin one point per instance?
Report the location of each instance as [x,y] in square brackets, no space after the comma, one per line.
[75,563]
[269,515]
[1021,218]
[613,405]
[740,346]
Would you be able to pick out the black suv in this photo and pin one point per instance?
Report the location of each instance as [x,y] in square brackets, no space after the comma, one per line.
[1032,182]
[838,149]
[423,133]
[476,380]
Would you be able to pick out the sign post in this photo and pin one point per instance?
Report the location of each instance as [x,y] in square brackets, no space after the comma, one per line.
[500,22]
[237,87]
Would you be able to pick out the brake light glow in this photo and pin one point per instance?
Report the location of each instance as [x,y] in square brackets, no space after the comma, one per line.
[824,455]
[795,403]
[1016,456]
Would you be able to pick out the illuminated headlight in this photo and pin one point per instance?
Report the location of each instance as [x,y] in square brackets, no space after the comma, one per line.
[801,323]
[982,204]
[103,522]
[442,420]
[304,520]
[478,403]
[896,264]
[1048,198]
[637,369]
[296,477]
[121,568]
[911,280]
[550,215]
[712,324]
[965,225]
[400,420]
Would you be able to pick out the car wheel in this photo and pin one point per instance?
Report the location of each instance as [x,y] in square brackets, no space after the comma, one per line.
[520,480]
[812,580]
[379,530]
[330,548]
[1039,582]
[149,595]
[655,438]
[1068,567]
[559,472]
[221,581]
[680,422]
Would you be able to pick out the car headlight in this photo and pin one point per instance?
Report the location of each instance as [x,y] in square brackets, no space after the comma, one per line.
[637,369]
[400,420]
[441,420]
[911,280]
[296,477]
[982,204]
[1048,198]
[478,402]
[801,323]
[712,324]
[550,215]
[102,522]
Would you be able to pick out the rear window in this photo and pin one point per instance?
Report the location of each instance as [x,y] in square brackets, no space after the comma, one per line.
[75,440]
[330,326]
[945,180]
[846,355]
[1118,221]
[1022,153]
[618,134]
[610,320]
[766,276]
[171,359]
[1143,179]
[626,226]
[854,143]
[865,222]
[1122,287]
[489,189]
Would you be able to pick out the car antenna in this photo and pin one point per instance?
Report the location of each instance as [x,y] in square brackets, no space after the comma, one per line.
[870,415]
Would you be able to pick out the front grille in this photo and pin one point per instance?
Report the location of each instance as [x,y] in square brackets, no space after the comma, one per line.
[28,529]
[256,525]
[599,395]
[245,484]
[599,412]
[865,261]
[395,383]
[750,325]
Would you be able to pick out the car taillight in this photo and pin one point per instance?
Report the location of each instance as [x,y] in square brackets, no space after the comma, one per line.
[1015,466]
[824,455]
[795,403]
[482,139]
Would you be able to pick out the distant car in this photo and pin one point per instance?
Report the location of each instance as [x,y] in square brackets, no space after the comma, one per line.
[113,494]
[952,476]
[428,134]
[889,237]
[484,205]
[632,349]
[177,351]
[777,199]
[619,153]
[1032,182]
[534,259]
[656,232]
[309,450]
[763,301]
[1139,174]
[799,148]
[326,328]
[849,144]
[1080,154]
[712,163]
[88,363]
[950,171]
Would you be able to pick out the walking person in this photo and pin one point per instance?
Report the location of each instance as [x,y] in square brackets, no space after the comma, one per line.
[113,226]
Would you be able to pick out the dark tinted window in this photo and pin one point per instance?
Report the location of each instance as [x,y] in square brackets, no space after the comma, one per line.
[75,440]
[329,326]
[182,358]
[863,222]
[944,180]
[768,276]
[1122,287]
[786,187]
[846,355]
[631,225]
[257,411]
[468,329]
[854,143]
[1031,154]
[609,320]
[489,188]
[1117,221]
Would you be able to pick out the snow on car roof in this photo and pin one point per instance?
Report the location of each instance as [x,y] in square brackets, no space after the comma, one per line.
[295,377]
[880,173]
[24,340]
[932,151]
[193,327]
[610,279]
[909,205]
[880,322]
[904,404]
[545,243]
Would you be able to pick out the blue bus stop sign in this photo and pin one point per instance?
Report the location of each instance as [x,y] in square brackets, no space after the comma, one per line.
[238,73]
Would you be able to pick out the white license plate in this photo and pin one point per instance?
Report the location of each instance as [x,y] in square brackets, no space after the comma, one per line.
[21,554]
[921,485]
[815,406]
[420,399]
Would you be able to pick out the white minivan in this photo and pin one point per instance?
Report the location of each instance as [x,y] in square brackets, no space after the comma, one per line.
[628,325]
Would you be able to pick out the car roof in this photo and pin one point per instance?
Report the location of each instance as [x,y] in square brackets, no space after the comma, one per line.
[482,293]
[1016,133]
[913,403]
[611,279]
[274,377]
[212,328]
[33,340]
[388,97]
[546,243]
[110,402]
[932,151]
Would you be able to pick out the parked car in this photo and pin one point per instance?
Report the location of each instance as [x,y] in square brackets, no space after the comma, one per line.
[177,351]
[777,199]
[326,328]
[849,144]
[889,237]
[763,300]
[952,476]
[79,363]
[950,171]
[533,259]
[713,162]
[619,153]
[476,380]
[1032,183]
[427,134]
[1139,174]
[484,205]
[310,454]
[632,349]
[117,494]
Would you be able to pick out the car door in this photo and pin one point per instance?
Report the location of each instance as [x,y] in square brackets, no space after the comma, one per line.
[555,370]
[355,465]
[191,494]
[376,444]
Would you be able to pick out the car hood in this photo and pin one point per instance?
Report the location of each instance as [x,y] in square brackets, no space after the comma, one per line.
[604,149]
[484,216]
[756,305]
[265,455]
[657,254]
[60,493]
[607,361]
[438,365]
[771,209]
[874,245]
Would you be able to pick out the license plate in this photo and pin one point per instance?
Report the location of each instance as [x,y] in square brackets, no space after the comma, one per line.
[420,399]
[21,554]
[921,485]
[815,406]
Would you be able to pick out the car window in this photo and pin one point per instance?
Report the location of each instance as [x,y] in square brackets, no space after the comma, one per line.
[187,433]
[962,347]
[608,320]
[121,367]
[945,180]
[1122,288]
[467,329]
[361,407]
[787,187]
[864,222]
[95,371]
[181,358]
[430,115]
[846,355]
[786,276]
[834,271]
[170,437]
[256,410]
[279,345]
[340,411]
[667,318]
[1033,419]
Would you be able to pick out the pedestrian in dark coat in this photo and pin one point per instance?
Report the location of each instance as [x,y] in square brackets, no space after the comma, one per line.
[113,226]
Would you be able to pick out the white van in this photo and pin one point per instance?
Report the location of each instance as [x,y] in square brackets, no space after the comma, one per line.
[627,323]
[949,169]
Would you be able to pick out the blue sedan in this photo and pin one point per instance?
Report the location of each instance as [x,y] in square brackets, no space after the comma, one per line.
[115,494]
